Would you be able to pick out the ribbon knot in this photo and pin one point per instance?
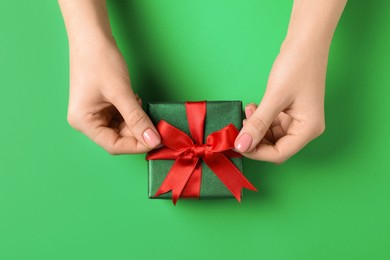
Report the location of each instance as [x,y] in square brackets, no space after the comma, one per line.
[199,150]
[184,178]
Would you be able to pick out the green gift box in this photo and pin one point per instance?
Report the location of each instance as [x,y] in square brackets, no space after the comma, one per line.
[176,116]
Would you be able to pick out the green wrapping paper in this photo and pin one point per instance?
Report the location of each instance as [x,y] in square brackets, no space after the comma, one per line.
[218,115]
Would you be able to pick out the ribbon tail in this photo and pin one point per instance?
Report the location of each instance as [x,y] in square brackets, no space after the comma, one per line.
[177,177]
[228,173]
[192,189]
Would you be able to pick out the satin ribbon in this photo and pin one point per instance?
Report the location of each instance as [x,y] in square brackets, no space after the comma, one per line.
[184,178]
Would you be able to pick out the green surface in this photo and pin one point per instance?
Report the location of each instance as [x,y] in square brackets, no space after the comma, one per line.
[63,197]
[218,115]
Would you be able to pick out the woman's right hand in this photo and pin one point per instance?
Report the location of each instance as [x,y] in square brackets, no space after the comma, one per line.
[102,104]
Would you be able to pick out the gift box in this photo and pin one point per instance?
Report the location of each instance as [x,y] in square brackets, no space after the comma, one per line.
[196,160]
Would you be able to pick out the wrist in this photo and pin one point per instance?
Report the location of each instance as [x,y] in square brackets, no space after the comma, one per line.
[91,40]
[305,45]
[87,23]
[312,24]
[309,39]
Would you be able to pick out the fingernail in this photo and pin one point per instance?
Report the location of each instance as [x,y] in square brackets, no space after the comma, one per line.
[151,138]
[248,107]
[244,142]
[248,111]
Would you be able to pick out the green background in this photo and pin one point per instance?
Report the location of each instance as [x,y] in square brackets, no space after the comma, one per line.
[63,197]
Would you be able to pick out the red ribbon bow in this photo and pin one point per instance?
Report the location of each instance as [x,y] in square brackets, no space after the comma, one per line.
[184,178]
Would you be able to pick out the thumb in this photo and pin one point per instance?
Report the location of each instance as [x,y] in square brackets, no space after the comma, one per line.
[257,124]
[136,119]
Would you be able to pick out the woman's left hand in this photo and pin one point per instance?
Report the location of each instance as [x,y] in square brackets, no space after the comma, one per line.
[291,113]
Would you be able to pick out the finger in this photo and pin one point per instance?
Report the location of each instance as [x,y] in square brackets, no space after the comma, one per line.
[114,143]
[284,120]
[277,132]
[139,100]
[257,125]
[273,133]
[136,119]
[249,109]
[284,148]
[265,141]
[269,136]
[280,125]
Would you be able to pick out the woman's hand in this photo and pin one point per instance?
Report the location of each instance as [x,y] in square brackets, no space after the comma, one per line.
[291,113]
[102,104]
